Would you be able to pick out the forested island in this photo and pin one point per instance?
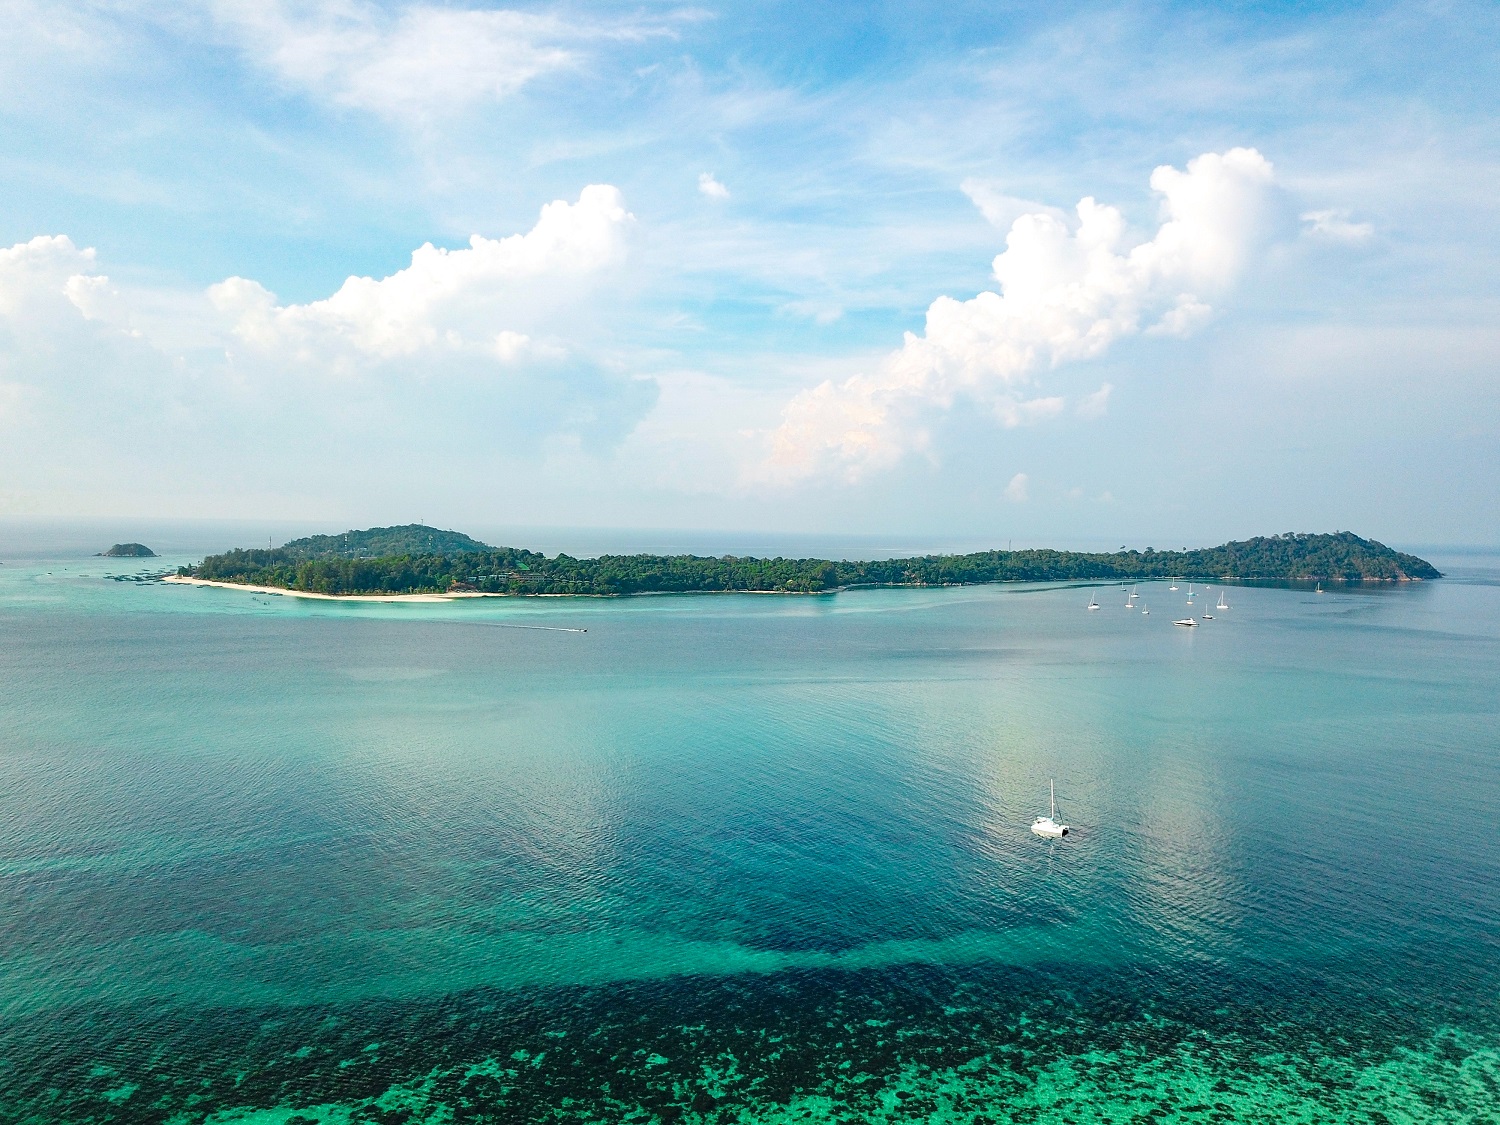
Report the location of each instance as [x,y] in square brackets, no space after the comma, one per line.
[415,559]
[128,551]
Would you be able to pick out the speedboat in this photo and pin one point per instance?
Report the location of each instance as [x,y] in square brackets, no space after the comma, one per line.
[1047,825]
[1186,623]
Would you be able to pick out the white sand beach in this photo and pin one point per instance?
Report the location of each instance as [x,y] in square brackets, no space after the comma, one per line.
[331,597]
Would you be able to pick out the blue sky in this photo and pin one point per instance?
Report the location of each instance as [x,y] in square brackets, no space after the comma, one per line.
[807,268]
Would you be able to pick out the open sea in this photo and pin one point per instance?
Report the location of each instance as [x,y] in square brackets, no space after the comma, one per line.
[747,858]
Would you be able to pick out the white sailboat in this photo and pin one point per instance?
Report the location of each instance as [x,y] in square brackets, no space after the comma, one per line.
[1047,825]
[1190,593]
[1173,586]
[1319,590]
[1222,603]
[1093,602]
[1145,612]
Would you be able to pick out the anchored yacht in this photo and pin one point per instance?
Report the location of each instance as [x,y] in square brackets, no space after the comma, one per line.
[1047,825]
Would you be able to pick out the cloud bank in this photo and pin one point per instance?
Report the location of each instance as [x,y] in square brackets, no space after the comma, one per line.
[1067,292]
[466,357]
[446,299]
[33,272]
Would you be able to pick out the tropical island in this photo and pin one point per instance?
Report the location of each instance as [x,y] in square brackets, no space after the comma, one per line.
[128,551]
[418,560]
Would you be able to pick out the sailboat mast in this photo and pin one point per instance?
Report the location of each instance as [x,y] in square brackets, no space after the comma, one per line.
[1052,789]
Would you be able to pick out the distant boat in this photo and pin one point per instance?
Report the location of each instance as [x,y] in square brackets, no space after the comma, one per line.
[1222,603]
[1319,590]
[1190,593]
[1145,612]
[1208,616]
[1047,825]
[1173,586]
[1187,623]
[1093,602]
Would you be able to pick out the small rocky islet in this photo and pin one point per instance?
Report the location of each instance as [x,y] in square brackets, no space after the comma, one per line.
[128,551]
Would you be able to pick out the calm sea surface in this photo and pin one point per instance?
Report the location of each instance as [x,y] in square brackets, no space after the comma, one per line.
[748,858]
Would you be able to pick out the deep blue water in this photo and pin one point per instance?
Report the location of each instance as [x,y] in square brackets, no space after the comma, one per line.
[747,858]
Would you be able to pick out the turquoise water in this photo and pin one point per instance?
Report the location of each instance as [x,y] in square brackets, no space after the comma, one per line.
[747,858]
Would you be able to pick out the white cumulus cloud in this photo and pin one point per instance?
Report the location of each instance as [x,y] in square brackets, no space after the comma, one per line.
[1335,225]
[1016,490]
[445,297]
[1067,291]
[38,270]
[711,187]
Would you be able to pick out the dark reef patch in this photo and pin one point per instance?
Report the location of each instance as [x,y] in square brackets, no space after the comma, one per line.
[979,1044]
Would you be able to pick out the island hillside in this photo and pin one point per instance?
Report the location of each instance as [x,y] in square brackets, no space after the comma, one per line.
[416,559]
[128,551]
[410,539]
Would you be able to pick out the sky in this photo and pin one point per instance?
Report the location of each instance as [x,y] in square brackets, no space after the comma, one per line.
[1162,274]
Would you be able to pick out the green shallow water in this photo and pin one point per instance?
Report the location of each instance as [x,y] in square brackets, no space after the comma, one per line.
[747,859]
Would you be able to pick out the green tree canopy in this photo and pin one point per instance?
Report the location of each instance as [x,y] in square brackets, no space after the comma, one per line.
[399,560]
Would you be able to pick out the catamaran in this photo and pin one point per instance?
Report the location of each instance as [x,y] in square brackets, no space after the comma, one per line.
[1047,825]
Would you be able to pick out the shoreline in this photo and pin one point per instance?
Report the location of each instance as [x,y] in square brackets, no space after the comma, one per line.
[178,579]
[459,595]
